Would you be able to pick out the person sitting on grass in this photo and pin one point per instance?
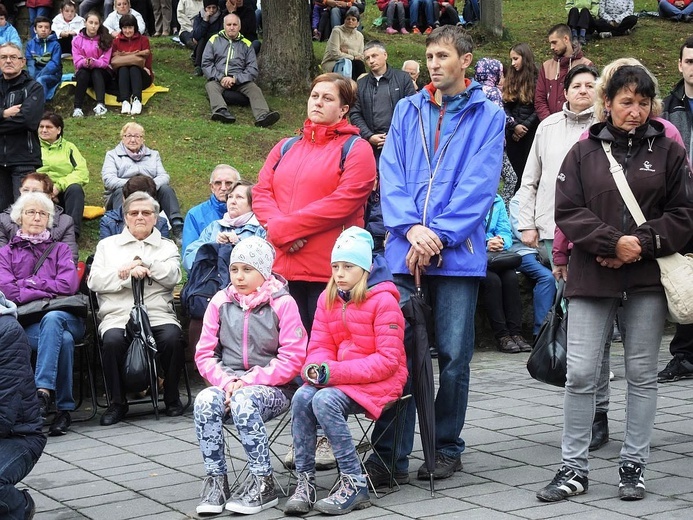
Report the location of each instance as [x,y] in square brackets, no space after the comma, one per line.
[43,57]
[66,25]
[392,9]
[135,74]
[251,350]
[8,34]
[355,364]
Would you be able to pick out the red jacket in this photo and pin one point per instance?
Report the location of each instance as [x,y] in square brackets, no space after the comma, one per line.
[308,197]
[363,347]
[549,95]
[39,3]
[138,42]
[382,4]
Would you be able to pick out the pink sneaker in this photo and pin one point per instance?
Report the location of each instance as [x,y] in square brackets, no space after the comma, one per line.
[404,31]
[390,30]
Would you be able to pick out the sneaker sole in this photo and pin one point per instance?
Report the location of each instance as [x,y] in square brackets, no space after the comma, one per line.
[328,510]
[250,510]
[222,119]
[631,497]
[297,509]
[673,379]
[440,476]
[209,509]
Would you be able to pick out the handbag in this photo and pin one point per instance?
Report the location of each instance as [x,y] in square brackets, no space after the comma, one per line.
[676,271]
[547,362]
[32,312]
[499,261]
[128,59]
[140,366]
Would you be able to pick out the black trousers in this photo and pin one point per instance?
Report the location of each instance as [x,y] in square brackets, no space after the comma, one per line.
[170,356]
[86,78]
[580,19]
[501,296]
[131,82]
[10,182]
[306,295]
[72,199]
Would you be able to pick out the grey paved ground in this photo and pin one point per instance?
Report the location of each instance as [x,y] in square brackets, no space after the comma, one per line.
[144,468]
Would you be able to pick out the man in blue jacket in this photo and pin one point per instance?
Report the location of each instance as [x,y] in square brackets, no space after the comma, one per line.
[43,57]
[439,173]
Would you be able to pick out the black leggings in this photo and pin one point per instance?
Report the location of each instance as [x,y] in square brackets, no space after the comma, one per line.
[131,81]
[85,78]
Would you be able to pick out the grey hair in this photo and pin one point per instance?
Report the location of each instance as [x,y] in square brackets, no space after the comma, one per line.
[418,66]
[375,44]
[224,167]
[140,196]
[35,196]
[14,46]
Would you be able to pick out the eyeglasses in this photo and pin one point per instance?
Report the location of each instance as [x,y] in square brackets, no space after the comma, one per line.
[12,58]
[32,213]
[222,183]
[144,212]
[30,190]
[133,136]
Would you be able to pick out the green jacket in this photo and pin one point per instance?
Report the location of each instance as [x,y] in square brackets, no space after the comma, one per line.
[63,163]
[591,5]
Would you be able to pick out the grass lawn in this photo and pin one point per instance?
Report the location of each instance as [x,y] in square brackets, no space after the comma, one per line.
[177,123]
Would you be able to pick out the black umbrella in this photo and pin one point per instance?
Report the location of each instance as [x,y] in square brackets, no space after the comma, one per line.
[140,362]
[419,315]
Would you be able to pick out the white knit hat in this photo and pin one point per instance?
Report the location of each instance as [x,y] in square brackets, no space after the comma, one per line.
[256,252]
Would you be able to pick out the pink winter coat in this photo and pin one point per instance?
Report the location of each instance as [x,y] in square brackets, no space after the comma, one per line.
[84,47]
[258,339]
[363,347]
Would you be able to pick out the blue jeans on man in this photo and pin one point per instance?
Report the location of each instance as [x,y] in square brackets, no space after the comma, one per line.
[667,10]
[415,10]
[454,305]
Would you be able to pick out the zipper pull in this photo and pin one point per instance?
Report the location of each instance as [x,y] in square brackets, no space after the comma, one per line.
[625,296]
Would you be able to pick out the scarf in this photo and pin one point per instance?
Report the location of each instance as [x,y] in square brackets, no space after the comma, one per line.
[136,156]
[259,296]
[236,222]
[44,236]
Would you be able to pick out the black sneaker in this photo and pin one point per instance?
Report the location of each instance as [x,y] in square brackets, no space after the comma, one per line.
[565,484]
[631,484]
[268,119]
[44,400]
[445,467]
[380,476]
[678,368]
[520,342]
[224,116]
[61,423]
[507,345]
[600,431]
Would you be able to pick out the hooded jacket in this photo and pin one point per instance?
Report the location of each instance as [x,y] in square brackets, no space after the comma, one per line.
[57,276]
[677,110]
[59,24]
[342,37]
[591,213]
[19,142]
[449,189]
[118,167]
[43,57]
[263,343]
[84,47]
[199,217]
[19,407]
[112,21]
[63,230]
[63,163]
[362,344]
[225,57]
[555,136]
[398,84]
[305,195]
[9,34]
[549,95]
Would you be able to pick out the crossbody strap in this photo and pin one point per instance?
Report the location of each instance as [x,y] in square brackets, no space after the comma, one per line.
[43,257]
[622,185]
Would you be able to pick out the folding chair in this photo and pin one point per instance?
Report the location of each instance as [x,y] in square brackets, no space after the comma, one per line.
[364,445]
[85,363]
[282,422]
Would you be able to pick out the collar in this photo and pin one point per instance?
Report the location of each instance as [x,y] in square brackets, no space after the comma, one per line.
[124,238]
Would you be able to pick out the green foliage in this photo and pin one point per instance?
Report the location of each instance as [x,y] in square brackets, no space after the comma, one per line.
[177,123]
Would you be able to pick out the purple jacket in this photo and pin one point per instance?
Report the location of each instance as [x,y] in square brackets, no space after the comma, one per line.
[57,275]
[84,47]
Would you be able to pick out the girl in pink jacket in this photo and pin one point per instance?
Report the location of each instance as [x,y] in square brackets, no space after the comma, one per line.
[91,52]
[251,350]
[355,364]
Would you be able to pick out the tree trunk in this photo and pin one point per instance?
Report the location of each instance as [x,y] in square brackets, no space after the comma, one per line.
[492,16]
[286,59]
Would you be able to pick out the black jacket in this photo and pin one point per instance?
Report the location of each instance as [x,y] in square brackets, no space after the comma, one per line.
[678,112]
[399,85]
[19,143]
[591,213]
[19,407]
[523,114]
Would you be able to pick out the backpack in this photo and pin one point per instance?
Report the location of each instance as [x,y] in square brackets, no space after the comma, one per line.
[346,148]
[470,12]
[209,275]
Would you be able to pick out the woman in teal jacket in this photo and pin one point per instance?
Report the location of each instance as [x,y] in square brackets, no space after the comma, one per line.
[66,167]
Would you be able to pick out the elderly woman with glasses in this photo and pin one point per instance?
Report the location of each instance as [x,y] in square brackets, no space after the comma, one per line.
[138,252]
[130,157]
[32,267]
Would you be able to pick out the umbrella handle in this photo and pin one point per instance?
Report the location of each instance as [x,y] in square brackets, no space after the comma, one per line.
[417,279]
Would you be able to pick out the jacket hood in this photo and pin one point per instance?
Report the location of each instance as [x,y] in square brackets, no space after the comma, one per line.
[83,33]
[577,54]
[380,272]
[7,307]
[488,71]
[319,133]
[679,90]
[431,94]
[272,288]
[579,118]
[51,38]
[606,131]
[238,38]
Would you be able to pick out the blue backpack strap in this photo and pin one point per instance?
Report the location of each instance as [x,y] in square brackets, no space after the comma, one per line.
[286,146]
[346,148]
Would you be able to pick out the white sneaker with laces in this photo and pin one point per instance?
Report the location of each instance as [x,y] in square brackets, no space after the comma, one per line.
[77,112]
[100,109]
[125,107]
[136,107]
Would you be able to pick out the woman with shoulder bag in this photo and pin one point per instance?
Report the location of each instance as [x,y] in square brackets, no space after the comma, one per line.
[132,61]
[33,267]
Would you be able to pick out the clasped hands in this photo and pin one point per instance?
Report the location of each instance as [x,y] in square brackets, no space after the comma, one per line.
[425,244]
[628,251]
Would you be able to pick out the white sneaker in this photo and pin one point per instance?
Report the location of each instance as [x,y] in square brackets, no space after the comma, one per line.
[136,107]
[125,107]
[100,109]
[77,112]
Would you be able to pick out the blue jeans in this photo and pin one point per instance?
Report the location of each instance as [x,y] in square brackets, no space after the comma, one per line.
[544,287]
[33,13]
[454,305]
[250,407]
[414,9]
[54,340]
[327,407]
[667,10]
[18,455]
[590,325]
